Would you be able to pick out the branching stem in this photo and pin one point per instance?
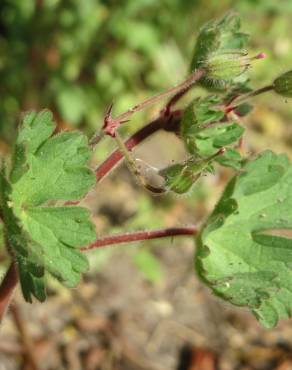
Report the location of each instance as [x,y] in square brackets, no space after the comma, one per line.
[195,76]
[111,124]
[168,124]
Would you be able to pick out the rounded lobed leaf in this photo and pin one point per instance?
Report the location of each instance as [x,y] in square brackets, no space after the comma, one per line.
[44,237]
[245,247]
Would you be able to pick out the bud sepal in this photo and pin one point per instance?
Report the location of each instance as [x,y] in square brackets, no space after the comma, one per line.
[180,177]
[221,50]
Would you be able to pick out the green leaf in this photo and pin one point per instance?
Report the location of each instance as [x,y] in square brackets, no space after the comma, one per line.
[30,272]
[42,236]
[209,140]
[57,233]
[218,38]
[197,115]
[202,130]
[231,158]
[245,248]
[51,167]
[243,109]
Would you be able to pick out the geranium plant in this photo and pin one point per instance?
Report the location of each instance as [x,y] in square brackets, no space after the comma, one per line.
[241,253]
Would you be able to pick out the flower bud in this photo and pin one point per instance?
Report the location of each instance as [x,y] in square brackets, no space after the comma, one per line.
[180,177]
[218,35]
[220,51]
[283,84]
[223,67]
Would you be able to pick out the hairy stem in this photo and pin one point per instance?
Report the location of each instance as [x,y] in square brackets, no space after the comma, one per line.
[142,235]
[166,112]
[7,287]
[243,98]
[129,159]
[133,168]
[111,124]
[172,101]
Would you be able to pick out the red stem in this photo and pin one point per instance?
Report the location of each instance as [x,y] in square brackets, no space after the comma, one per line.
[168,124]
[111,124]
[30,354]
[7,288]
[141,235]
[171,103]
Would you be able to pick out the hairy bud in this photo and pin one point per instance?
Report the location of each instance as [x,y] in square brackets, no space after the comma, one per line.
[224,67]
[283,84]
[220,50]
